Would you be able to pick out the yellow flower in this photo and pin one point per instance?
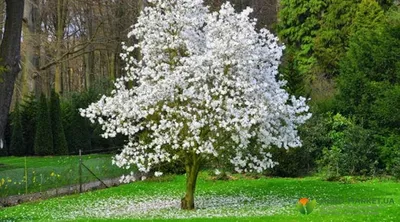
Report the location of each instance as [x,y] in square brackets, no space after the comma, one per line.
[52,174]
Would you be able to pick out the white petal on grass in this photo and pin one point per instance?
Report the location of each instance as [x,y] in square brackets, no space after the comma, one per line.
[168,207]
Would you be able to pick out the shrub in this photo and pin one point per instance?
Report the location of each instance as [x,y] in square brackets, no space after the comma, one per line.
[353,150]
[390,155]
[330,162]
[360,152]
[302,161]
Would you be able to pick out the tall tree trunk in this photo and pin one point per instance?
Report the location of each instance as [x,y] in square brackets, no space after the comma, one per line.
[192,167]
[61,16]
[2,14]
[89,73]
[31,48]
[10,58]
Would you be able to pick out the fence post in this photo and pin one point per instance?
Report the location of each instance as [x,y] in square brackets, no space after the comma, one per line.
[26,177]
[80,171]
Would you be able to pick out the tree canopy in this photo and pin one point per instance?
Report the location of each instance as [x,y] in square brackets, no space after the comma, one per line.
[205,87]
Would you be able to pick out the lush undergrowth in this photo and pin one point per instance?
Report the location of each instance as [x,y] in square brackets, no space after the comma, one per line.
[45,173]
[240,199]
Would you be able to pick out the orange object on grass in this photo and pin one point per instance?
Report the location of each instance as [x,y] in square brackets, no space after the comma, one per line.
[303,201]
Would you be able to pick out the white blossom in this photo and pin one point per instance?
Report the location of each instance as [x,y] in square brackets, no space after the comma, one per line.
[206,83]
[158,174]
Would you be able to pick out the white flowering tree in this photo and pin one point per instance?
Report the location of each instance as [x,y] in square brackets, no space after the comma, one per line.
[205,88]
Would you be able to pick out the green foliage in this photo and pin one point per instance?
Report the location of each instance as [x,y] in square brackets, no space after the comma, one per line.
[74,132]
[332,38]
[77,129]
[17,146]
[369,15]
[361,154]
[80,134]
[370,75]
[299,22]
[43,136]
[353,150]
[296,80]
[330,161]
[302,160]
[28,118]
[355,44]
[386,110]
[390,155]
[329,164]
[338,23]
[386,4]
[293,162]
[59,141]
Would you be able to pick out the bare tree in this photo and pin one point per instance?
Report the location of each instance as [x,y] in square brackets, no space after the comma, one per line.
[31,48]
[264,10]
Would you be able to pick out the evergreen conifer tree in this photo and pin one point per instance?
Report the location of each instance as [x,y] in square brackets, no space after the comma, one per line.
[59,141]
[17,146]
[43,136]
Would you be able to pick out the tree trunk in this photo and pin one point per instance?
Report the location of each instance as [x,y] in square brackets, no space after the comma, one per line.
[31,49]
[10,57]
[61,16]
[2,13]
[90,56]
[192,170]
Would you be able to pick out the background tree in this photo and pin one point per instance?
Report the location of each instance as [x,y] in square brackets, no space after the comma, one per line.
[29,114]
[17,147]
[43,135]
[59,141]
[9,58]
[206,87]
[30,51]
[298,26]
[332,38]
[369,73]
[265,11]
[341,19]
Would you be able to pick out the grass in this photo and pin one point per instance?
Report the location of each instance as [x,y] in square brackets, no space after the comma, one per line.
[45,173]
[244,199]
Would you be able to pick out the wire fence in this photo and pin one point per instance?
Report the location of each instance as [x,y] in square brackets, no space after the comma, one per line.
[28,175]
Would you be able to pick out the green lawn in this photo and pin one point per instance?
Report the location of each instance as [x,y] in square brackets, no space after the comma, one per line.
[265,199]
[51,172]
